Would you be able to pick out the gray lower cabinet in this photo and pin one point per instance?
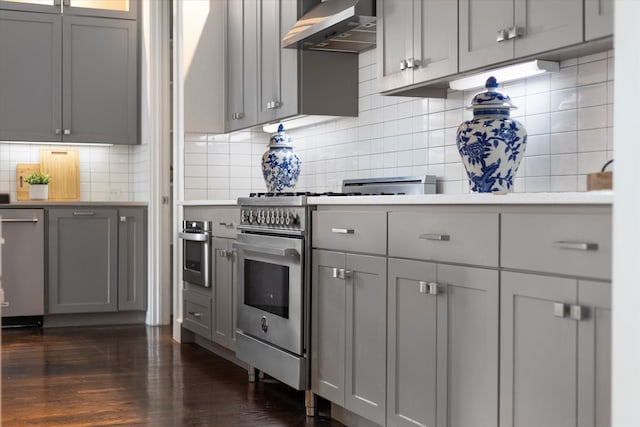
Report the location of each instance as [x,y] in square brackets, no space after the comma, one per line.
[223,293]
[85,271]
[23,261]
[442,345]
[348,331]
[555,351]
[197,311]
[68,78]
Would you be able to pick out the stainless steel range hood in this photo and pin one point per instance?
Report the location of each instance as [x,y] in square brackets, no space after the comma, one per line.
[335,25]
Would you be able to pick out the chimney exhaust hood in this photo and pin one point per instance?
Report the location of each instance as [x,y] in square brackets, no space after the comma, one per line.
[337,26]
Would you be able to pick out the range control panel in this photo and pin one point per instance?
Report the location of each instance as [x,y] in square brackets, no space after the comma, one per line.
[276,218]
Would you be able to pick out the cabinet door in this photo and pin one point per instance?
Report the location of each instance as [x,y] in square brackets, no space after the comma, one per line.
[222,328]
[100,80]
[83,261]
[394,42]
[538,356]
[30,76]
[435,39]
[23,261]
[241,62]
[277,67]
[365,351]
[467,346]
[132,259]
[479,23]
[542,30]
[328,327]
[594,355]
[412,326]
[598,19]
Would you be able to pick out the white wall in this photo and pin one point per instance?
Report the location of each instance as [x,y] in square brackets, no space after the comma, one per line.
[568,115]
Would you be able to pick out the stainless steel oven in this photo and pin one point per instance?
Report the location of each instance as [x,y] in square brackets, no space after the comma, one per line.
[273,288]
[196,252]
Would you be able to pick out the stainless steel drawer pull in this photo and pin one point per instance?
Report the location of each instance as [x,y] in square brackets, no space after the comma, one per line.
[403,65]
[515,32]
[433,289]
[32,220]
[578,312]
[439,237]
[577,246]
[83,213]
[343,230]
[5,304]
[422,287]
[560,309]
[501,35]
[340,273]
[195,314]
[413,63]
[224,253]
[226,224]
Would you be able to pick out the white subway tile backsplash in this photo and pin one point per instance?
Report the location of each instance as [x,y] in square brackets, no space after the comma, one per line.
[568,115]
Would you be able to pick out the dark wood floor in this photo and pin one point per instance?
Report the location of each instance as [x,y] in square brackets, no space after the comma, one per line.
[134,376]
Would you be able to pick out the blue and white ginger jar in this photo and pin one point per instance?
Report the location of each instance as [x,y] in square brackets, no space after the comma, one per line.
[491,144]
[280,164]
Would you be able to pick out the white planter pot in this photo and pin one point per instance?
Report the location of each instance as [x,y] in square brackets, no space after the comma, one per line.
[39,191]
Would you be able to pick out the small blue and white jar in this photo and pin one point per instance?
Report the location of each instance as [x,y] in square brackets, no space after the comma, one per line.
[280,164]
[491,144]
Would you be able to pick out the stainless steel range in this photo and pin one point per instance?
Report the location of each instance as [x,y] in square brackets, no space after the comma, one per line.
[274,277]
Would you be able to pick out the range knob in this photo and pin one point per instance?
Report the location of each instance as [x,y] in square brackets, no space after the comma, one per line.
[260,217]
[272,218]
[251,217]
[267,218]
[279,218]
[287,218]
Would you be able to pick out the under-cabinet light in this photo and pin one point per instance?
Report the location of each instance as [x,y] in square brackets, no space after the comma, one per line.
[297,122]
[505,74]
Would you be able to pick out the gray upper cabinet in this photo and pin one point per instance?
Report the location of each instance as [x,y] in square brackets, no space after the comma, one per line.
[598,15]
[123,9]
[266,83]
[30,76]
[494,31]
[417,42]
[100,80]
[83,263]
[241,64]
[555,340]
[68,78]
[132,259]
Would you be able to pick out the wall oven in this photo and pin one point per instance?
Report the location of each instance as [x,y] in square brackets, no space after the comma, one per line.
[196,253]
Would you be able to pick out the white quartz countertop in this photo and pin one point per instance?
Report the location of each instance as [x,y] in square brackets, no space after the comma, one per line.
[233,202]
[604,197]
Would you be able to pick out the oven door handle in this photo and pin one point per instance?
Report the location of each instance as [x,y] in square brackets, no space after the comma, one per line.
[194,237]
[283,252]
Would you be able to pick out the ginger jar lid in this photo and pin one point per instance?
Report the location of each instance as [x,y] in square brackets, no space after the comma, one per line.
[280,139]
[492,98]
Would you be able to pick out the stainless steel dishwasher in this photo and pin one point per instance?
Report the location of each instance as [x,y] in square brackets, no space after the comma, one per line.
[23,263]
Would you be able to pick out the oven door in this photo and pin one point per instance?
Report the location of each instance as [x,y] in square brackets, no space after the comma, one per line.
[196,257]
[271,289]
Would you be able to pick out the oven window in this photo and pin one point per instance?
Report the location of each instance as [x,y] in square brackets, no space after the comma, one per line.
[193,255]
[266,287]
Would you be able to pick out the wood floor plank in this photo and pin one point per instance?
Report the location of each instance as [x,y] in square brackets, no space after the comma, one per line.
[134,376]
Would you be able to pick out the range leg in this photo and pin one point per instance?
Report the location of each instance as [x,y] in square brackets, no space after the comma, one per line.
[251,371]
[310,402]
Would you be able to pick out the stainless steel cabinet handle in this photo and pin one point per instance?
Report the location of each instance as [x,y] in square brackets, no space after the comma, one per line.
[514,32]
[83,213]
[224,253]
[578,312]
[58,131]
[67,131]
[123,218]
[403,65]
[5,304]
[502,35]
[237,116]
[335,272]
[195,314]
[271,105]
[32,220]
[413,63]
[433,289]
[422,287]
[560,309]
[578,246]
[439,237]
[340,273]
[194,237]
[343,230]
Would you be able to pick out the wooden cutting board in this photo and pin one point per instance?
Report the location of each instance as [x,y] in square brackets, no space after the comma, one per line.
[23,170]
[63,166]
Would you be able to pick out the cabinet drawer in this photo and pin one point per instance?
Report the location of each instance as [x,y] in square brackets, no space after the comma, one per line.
[467,238]
[197,313]
[574,244]
[352,231]
[225,222]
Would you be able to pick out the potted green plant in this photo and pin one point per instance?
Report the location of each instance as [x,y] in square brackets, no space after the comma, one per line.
[38,185]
